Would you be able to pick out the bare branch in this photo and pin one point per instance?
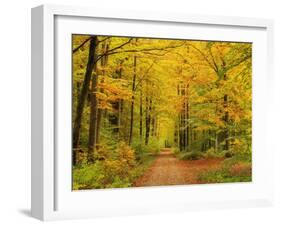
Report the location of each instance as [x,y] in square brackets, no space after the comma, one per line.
[140,50]
[118,47]
[213,59]
[204,56]
[145,74]
[81,45]
[238,62]
[104,39]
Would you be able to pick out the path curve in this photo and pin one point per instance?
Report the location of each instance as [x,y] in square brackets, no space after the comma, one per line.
[168,170]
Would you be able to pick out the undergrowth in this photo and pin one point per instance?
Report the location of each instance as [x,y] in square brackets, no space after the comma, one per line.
[236,167]
[112,169]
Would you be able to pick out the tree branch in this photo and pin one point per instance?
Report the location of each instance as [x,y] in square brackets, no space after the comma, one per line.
[118,47]
[139,50]
[213,59]
[241,60]
[81,45]
[104,39]
[145,74]
[204,56]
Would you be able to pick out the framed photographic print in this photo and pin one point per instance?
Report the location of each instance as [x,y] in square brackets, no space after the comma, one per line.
[137,113]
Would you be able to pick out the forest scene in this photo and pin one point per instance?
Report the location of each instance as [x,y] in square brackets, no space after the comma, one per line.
[152,112]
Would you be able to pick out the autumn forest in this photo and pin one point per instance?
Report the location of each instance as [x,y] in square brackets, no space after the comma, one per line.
[150,112]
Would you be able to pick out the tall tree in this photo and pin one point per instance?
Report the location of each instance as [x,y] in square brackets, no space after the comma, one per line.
[133,101]
[148,118]
[141,113]
[103,61]
[93,117]
[91,66]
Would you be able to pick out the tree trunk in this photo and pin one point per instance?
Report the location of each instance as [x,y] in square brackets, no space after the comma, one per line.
[186,116]
[216,141]
[226,119]
[93,118]
[104,61]
[180,120]
[119,105]
[183,118]
[133,102]
[147,119]
[158,129]
[141,112]
[84,92]
[153,126]
[209,139]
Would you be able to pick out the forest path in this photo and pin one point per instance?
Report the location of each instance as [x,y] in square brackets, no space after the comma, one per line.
[168,170]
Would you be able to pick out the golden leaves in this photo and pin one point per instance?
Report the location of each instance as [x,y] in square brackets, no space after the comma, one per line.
[210,71]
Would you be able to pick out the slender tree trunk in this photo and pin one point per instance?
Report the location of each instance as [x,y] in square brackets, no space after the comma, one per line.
[226,118]
[141,113]
[147,119]
[180,132]
[203,148]
[78,88]
[216,141]
[84,92]
[183,116]
[153,126]
[187,116]
[158,129]
[119,106]
[190,135]
[187,126]
[93,118]
[181,120]
[133,102]
[156,126]
[104,61]
[209,140]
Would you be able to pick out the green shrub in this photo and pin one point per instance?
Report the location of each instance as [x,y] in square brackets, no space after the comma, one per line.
[196,146]
[102,153]
[195,155]
[141,150]
[141,167]
[176,150]
[116,168]
[153,145]
[228,154]
[111,169]
[119,183]
[212,153]
[223,176]
[238,157]
[88,176]
[232,170]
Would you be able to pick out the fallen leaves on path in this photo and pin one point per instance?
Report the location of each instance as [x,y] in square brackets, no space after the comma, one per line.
[168,170]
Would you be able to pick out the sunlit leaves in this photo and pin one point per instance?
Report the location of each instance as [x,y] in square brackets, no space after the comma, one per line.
[210,70]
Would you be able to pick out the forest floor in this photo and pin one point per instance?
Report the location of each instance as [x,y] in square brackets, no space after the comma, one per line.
[169,170]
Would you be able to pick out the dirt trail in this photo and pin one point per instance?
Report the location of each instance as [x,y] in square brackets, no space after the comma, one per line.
[168,170]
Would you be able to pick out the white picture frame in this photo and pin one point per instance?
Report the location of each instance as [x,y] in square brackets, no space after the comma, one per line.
[51,197]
